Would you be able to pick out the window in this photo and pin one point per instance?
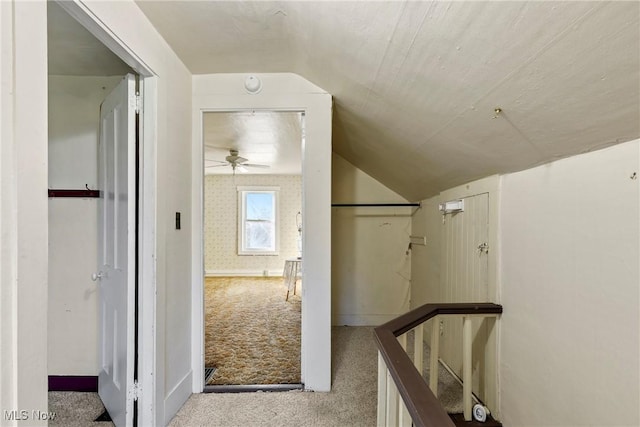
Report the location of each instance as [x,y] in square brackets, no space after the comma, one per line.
[258,227]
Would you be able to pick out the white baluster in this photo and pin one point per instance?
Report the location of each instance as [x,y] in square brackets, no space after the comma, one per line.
[402,339]
[405,418]
[467,377]
[382,392]
[418,335]
[392,402]
[403,413]
[435,349]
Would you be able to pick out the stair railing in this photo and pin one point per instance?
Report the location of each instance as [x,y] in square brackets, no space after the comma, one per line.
[404,398]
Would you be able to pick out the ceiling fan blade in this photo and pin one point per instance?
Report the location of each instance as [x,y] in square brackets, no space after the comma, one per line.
[213,160]
[251,165]
[217,166]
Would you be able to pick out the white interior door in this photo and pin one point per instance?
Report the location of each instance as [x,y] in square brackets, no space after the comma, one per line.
[116,251]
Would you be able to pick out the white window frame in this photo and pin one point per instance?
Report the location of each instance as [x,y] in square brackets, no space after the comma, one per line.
[242,192]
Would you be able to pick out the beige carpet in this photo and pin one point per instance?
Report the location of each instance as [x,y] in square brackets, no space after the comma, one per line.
[252,335]
[351,402]
[76,409]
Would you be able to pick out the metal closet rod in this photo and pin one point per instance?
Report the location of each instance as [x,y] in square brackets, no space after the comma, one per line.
[371,205]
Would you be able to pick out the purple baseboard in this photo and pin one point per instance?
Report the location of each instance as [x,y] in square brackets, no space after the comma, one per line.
[73,383]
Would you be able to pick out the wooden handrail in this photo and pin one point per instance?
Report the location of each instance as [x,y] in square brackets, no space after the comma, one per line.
[425,408]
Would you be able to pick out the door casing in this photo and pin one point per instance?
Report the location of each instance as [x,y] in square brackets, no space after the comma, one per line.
[280,92]
[147,228]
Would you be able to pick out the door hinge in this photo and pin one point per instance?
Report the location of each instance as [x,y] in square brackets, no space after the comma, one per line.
[138,102]
[135,391]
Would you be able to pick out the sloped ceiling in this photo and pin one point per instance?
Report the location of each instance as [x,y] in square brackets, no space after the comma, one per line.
[416,84]
[74,51]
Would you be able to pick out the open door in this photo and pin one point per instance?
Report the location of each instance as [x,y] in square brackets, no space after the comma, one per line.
[116,251]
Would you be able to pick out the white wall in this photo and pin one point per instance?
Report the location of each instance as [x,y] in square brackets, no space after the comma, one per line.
[569,281]
[74,119]
[571,289]
[371,267]
[23,209]
[221,224]
[289,92]
[74,116]
[425,260]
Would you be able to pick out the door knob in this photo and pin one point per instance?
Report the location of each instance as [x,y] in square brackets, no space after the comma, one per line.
[97,276]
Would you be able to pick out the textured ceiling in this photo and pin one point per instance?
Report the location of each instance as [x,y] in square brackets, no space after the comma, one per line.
[416,83]
[268,138]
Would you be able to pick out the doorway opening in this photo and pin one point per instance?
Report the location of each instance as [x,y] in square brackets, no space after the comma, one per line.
[92,96]
[252,194]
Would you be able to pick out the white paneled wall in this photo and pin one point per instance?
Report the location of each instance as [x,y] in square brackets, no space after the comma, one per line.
[465,279]
[451,268]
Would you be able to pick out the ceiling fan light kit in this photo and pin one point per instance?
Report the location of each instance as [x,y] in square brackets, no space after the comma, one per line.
[236,162]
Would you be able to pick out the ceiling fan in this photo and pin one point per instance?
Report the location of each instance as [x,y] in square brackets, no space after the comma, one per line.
[236,162]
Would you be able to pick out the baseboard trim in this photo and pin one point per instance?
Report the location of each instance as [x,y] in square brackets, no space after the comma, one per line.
[251,388]
[243,273]
[82,383]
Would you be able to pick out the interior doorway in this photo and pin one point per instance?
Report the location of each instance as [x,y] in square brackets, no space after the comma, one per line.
[252,194]
[280,92]
[83,73]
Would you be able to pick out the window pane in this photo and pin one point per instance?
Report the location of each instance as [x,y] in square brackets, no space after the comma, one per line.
[259,206]
[258,228]
[259,235]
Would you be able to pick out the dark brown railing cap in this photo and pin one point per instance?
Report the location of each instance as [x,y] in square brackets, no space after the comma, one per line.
[425,409]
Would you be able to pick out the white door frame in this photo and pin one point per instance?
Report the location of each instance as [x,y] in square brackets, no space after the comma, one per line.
[147,197]
[280,92]
[198,256]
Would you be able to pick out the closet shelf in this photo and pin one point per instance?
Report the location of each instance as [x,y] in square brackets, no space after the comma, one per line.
[85,194]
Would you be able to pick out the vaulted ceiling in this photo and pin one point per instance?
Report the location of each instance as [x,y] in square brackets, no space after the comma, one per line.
[74,51]
[416,84]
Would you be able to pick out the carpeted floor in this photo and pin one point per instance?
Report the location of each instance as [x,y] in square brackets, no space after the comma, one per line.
[252,335]
[76,409]
[351,402]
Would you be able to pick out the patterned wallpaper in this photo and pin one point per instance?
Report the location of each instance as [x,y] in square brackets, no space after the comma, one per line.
[221,223]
